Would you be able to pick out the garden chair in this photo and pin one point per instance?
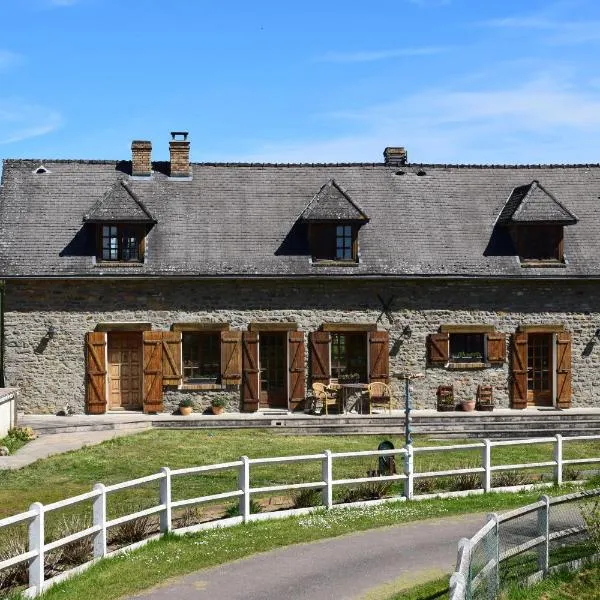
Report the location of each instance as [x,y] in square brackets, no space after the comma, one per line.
[326,396]
[380,394]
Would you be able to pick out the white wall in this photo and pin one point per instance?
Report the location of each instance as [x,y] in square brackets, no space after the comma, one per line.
[8,411]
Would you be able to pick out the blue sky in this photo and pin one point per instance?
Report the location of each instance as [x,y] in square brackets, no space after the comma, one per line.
[458,81]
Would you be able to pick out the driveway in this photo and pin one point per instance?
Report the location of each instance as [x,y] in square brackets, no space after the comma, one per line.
[368,565]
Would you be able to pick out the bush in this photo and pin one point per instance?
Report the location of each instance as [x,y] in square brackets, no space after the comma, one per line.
[373,490]
[190,515]
[590,511]
[77,552]
[18,574]
[511,478]
[306,498]
[234,509]
[132,531]
[22,434]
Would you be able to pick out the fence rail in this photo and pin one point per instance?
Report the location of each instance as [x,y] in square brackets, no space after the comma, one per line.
[538,534]
[98,531]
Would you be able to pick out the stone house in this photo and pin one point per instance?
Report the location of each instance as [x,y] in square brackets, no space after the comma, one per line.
[132,284]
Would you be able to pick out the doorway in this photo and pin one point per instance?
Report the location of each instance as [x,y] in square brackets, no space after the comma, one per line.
[124,370]
[540,371]
[273,369]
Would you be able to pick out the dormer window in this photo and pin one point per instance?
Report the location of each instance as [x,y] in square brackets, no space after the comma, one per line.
[535,220]
[122,222]
[333,220]
[121,243]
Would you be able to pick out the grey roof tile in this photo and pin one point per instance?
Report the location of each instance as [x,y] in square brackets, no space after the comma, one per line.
[332,203]
[119,203]
[237,219]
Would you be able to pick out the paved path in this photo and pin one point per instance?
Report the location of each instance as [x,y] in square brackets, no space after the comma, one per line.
[368,565]
[46,445]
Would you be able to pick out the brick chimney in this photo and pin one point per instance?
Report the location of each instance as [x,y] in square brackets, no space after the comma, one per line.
[141,158]
[179,150]
[395,156]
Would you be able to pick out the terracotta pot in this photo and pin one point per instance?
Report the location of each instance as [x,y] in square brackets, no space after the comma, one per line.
[217,410]
[184,411]
[468,405]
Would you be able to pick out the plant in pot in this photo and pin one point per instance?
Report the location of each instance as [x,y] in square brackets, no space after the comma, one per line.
[185,407]
[217,405]
[349,378]
[445,400]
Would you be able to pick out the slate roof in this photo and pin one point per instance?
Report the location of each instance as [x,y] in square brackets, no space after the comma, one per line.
[242,220]
[532,203]
[119,204]
[332,203]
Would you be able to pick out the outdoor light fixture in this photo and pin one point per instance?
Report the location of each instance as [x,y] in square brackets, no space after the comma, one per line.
[51,332]
[407,331]
[597,334]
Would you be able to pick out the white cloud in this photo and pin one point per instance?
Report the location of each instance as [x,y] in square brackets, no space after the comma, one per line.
[539,121]
[20,121]
[9,59]
[370,56]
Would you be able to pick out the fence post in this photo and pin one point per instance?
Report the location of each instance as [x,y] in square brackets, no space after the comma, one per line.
[464,544]
[486,463]
[36,542]
[165,498]
[558,458]
[544,530]
[409,465]
[327,475]
[99,518]
[493,553]
[244,486]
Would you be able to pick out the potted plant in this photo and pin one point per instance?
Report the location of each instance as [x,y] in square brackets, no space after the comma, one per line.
[445,399]
[217,405]
[349,378]
[185,407]
[468,405]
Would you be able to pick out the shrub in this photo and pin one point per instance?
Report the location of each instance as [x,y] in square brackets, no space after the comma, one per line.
[234,509]
[186,403]
[571,474]
[373,490]
[76,552]
[424,486]
[132,531]
[18,574]
[511,478]
[190,515]
[218,402]
[306,498]
[590,511]
[22,434]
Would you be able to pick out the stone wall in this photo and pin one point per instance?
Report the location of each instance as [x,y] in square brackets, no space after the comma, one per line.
[50,371]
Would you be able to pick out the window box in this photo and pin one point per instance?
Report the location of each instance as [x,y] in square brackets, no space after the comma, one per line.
[471,348]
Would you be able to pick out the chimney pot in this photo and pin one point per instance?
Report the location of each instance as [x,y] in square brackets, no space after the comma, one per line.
[141,158]
[179,150]
[395,155]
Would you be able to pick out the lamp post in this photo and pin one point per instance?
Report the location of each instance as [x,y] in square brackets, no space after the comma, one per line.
[408,377]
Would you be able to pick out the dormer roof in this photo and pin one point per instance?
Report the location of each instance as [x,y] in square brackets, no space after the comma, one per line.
[119,204]
[332,203]
[532,203]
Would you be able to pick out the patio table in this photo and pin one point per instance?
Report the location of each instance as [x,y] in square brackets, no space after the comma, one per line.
[352,389]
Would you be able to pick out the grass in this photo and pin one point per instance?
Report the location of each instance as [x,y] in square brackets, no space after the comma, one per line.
[436,589]
[134,456]
[581,585]
[172,556]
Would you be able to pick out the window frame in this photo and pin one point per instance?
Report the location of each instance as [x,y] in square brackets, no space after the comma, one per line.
[526,237]
[334,369]
[324,242]
[471,360]
[202,380]
[121,229]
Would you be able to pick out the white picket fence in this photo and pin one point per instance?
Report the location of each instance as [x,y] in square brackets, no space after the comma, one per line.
[35,516]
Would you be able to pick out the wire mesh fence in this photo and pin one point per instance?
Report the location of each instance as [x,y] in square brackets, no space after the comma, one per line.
[526,544]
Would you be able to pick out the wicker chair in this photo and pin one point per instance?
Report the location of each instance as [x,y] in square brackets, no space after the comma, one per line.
[327,397]
[380,394]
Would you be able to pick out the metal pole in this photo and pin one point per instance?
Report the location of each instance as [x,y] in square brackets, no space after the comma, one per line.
[407,409]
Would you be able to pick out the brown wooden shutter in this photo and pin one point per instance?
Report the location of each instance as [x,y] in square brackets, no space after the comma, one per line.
[95,386]
[171,358]
[231,357]
[250,371]
[379,356]
[153,371]
[438,348]
[320,365]
[563,369]
[496,347]
[519,370]
[297,385]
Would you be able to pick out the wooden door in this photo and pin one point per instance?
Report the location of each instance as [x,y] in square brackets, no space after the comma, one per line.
[125,370]
[273,369]
[539,369]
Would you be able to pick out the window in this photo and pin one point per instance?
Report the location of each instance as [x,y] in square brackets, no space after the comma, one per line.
[332,242]
[349,356]
[201,357]
[467,347]
[539,243]
[121,243]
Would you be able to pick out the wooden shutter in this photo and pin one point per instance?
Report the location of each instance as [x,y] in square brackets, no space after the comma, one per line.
[153,371]
[95,387]
[496,347]
[231,357]
[171,357]
[250,371]
[320,364]
[519,370]
[563,369]
[379,356]
[438,348]
[297,386]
